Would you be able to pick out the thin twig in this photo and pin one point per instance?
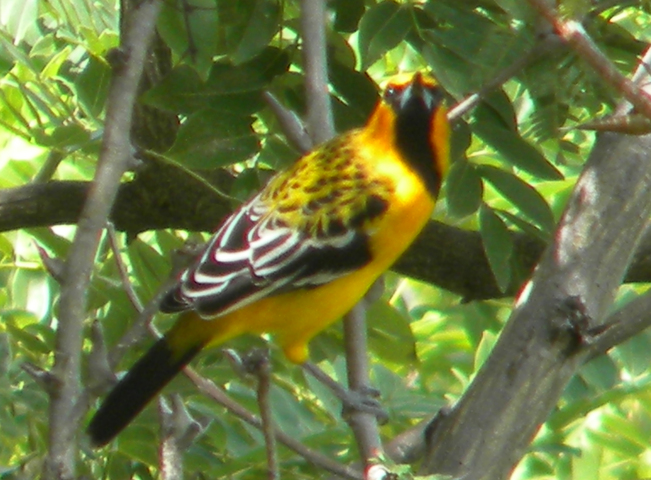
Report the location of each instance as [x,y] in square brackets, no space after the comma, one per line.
[122,268]
[262,371]
[100,373]
[641,77]
[623,324]
[363,424]
[573,33]
[336,388]
[46,172]
[209,388]
[321,128]
[138,329]
[290,124]
[60,462]
[548,43]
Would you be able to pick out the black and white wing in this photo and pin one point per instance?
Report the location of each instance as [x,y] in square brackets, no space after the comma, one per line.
[256,254]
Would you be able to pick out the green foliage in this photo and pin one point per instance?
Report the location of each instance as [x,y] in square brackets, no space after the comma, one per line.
[425,344]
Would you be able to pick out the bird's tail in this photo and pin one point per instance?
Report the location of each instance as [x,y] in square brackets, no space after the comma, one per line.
[145,379]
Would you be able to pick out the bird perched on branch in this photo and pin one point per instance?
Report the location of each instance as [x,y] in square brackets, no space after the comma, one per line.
[302,252]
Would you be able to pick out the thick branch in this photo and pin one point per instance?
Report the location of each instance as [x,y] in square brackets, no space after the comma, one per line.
[443,255]
[547,338]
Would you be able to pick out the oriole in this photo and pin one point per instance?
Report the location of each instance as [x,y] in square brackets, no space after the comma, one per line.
[301,253]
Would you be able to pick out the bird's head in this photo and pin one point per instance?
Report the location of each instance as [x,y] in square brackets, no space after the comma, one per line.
[412,117]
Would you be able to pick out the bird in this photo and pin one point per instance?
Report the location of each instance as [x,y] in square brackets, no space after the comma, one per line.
[304,250]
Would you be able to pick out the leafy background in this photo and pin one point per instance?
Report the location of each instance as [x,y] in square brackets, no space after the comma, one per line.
[516,160]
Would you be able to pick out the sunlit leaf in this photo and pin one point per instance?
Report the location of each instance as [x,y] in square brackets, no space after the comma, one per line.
[382,27]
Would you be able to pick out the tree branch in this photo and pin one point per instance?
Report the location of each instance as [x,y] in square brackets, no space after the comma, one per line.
[547,337]
[213,391]
[60,462]
[578,39]
[443,255]
[320,124]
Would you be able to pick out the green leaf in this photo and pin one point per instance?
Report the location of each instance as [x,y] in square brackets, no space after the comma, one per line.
[347,14]
[601,373]
[18,324]
[261,25]
[149,266]
[390,335]
[522,195]
[32,291]
[382,28]
[92,85]
[55,244]
[488,340]
[211,138]
[498,245]
[249,181]
[66,136]
[523,225]
[464,46]
[635,353]
[277,154]
[200,43]
[228,88]
[29,341]
[452,71]
[464,189]
[136,442]
[356,88]
[515,150]
[460,141]
[517,9]
[20,19]
[497,108]
[236,89]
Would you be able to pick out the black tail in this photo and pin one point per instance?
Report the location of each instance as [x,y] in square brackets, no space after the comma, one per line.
[145,379]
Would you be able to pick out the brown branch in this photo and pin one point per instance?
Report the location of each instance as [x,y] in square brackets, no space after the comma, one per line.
[443,255]
[122,268]
[548,336]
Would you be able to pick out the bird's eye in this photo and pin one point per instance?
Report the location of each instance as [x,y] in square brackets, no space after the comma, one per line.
[390,92]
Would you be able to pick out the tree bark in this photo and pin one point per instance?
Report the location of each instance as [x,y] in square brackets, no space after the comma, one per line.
[557,319]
